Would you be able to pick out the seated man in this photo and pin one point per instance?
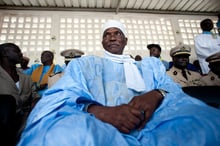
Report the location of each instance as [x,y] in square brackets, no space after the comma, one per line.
[213,76]
[117,101]
[17,91]
[179,72]
[40,72]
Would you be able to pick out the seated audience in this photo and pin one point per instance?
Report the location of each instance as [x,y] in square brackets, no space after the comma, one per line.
[68,56]
[206,44]
[213,76]
[155,50]
[16,94]
[179,72]
[117,101]
[40,72]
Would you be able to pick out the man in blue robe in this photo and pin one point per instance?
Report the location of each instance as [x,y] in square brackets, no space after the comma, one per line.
[115,101]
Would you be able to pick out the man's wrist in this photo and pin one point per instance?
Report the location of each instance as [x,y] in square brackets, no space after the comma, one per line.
[162,92]
[87,105]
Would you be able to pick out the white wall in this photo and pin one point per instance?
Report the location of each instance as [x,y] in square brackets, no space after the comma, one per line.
[35,31]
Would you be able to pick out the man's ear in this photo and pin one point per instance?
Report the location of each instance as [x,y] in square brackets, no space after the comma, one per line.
[126,40]
[102,42]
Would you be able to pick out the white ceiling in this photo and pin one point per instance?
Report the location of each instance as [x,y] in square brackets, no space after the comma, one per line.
[204,7]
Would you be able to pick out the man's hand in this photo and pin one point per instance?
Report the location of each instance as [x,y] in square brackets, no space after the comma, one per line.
[147,103]
[124,117]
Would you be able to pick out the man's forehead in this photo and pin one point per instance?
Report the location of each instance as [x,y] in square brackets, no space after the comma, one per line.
[155,48]
[112,29]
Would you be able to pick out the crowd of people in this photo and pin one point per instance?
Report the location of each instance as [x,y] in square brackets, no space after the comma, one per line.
[127,98]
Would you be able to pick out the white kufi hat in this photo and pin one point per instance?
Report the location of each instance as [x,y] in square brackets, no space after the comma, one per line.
[113,23]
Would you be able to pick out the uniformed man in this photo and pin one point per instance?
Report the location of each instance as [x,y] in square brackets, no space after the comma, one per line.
[69,55]
[179,72]
[213,76]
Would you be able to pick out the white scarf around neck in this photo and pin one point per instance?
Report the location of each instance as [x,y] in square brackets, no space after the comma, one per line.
[133,77]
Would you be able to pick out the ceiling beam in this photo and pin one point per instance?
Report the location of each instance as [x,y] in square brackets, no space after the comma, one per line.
[106,10]
[118,6]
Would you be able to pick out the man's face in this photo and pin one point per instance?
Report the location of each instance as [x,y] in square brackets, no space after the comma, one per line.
[114,41]
[154,51]
[46,57]
[181,61]
[14,55]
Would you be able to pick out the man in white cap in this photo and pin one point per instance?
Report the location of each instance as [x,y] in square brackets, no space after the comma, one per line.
[68,55]
[213,76]
[116,101]
[179,72]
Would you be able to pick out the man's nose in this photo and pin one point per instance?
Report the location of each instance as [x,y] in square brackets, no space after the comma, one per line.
[112,36]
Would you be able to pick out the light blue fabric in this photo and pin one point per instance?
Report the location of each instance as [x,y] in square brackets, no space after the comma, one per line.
[206,32]
[57,68]
[59,120]
[166,64]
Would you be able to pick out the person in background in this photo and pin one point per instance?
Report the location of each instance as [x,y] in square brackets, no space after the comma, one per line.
[117,101]
[138,58]
[155,50]
[213,76]
[24,63]
[17,91]
[206,44]
[179,72]
[40,72]
[68,56]
[195,66]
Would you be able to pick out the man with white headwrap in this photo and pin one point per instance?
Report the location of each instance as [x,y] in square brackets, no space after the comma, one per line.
[115,101]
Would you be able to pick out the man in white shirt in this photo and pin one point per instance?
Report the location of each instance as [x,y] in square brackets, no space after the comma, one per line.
[206,44]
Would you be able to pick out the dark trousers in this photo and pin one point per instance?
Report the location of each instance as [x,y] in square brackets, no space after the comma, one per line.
[8,121]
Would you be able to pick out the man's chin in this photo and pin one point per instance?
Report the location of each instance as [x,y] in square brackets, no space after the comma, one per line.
[114,51]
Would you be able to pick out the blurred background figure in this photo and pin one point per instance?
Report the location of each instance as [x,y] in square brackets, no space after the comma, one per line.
[213,76]
[179,72]
[155,50]
[40,72]
[68,56]
[206,44]
[24,63]
[138,58]
[195,66]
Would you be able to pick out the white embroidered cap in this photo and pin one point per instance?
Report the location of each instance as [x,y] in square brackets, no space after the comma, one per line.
[113,23]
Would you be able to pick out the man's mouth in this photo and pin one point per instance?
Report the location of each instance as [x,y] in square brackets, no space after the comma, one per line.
[113,45]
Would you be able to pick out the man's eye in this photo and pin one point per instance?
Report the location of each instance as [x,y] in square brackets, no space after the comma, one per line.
[118,33]
[107,35]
